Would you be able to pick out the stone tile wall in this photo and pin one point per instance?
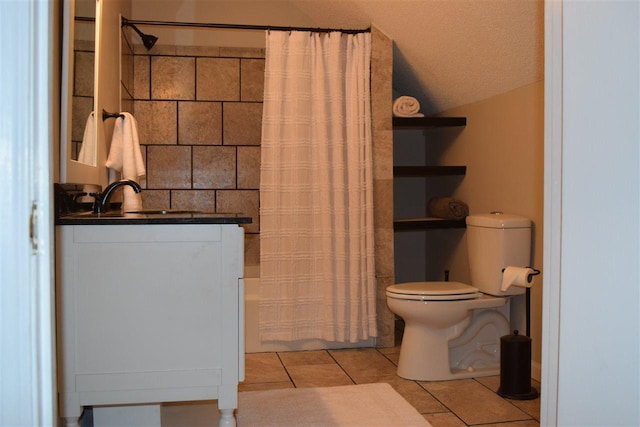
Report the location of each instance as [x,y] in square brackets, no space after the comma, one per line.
[199,113]
[382,133]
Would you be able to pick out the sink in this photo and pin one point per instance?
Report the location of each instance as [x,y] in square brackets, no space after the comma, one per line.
[150,213]
[92,214]
[163,212]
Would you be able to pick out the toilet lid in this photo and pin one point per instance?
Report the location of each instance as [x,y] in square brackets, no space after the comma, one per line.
[433,291]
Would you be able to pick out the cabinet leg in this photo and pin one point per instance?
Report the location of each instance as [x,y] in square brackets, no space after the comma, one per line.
[71,422]
[226,418]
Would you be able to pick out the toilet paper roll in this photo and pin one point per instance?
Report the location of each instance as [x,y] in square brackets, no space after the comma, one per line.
[517,276]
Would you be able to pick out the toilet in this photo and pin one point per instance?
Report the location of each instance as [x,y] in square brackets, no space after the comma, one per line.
[452,330]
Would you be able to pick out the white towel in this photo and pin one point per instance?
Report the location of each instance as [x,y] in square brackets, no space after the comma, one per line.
[125,157]
[406,106]
[88,149]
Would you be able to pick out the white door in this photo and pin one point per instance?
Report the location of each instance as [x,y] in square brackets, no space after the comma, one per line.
[591,297]
[27,385]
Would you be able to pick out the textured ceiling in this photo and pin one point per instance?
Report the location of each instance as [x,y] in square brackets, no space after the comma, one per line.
[447,53]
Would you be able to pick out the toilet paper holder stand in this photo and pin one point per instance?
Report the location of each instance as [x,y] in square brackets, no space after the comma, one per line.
[528,299]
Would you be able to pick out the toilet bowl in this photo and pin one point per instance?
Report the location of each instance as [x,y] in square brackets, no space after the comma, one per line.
[452,330]
[438,342]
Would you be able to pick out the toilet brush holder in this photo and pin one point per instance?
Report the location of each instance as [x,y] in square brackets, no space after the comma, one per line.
[515,368]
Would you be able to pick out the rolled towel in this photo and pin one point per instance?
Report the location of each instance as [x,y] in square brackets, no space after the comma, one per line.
[406,106]
[447,208]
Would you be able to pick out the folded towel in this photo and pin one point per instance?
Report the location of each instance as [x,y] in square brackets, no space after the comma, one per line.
[88,149]
[447,208]
[125,157]
[406,106]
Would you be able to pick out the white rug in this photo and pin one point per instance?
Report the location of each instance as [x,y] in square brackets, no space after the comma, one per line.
[365,405]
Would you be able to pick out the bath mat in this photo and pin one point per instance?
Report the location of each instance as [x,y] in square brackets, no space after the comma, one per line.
[364,405]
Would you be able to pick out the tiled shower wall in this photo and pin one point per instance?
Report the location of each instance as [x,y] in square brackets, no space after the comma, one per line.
[199,114]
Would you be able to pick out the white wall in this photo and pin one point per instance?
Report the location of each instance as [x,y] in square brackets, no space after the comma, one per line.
[595,138]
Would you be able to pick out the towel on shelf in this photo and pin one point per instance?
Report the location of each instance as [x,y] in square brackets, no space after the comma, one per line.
[125,157]
[447,208]
[406,106]
[88,148]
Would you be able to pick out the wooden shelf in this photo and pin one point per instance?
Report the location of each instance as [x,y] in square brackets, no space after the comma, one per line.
[423,171]
[427,171]
[426,224]
[427,122]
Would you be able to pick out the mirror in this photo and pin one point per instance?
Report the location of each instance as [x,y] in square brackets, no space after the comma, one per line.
[79,78]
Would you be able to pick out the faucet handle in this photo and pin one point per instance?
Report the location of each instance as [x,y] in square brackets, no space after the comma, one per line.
[97,202]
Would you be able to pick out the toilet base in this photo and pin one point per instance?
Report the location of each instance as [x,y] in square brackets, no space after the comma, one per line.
[466,350]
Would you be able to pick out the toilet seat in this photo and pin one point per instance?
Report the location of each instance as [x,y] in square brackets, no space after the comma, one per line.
[433,291]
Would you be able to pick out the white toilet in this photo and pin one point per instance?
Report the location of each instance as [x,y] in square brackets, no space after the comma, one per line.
[452,330]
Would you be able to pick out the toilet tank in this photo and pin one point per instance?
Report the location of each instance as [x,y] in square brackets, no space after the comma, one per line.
[494,241]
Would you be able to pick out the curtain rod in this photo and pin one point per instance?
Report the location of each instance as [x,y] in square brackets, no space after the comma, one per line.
[242,26]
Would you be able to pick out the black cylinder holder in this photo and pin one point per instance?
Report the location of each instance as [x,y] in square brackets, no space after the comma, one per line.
[515,368]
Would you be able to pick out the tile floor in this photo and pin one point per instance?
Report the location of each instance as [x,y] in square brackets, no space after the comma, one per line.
[467,402]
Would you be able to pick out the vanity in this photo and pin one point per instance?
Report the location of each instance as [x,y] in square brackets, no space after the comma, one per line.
[150,309]
[149,305]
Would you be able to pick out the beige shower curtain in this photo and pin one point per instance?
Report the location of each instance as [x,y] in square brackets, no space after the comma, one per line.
[317,275]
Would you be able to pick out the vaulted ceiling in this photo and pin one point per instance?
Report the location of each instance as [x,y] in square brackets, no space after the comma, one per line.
[447,53]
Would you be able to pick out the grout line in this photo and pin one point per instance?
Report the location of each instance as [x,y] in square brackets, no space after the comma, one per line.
[388,358]
[340,366]
[286,370]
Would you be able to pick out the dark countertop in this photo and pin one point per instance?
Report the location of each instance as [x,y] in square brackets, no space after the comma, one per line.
[151,217]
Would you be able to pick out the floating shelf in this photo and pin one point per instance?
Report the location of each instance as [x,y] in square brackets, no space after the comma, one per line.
[426,223]
[423,171]
[427,171]
[427,122]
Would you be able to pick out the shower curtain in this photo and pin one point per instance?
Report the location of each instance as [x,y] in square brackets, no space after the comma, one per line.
[317,274]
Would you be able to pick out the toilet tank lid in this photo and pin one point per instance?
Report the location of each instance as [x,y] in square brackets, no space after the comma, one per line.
[498,220]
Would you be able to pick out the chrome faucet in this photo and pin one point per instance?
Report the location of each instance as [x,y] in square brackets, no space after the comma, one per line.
[102,199]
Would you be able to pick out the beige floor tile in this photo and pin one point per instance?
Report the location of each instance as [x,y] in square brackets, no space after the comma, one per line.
[315,357]
[531,407]
[394,357]
[326,375]
[264,368]
[526,423]
[444,419]
[362,363]
[264,386]
[389,350]
[473,402]
[492,382]
[412,392]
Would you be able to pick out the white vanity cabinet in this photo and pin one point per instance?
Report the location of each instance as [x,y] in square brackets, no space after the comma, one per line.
[148,314]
